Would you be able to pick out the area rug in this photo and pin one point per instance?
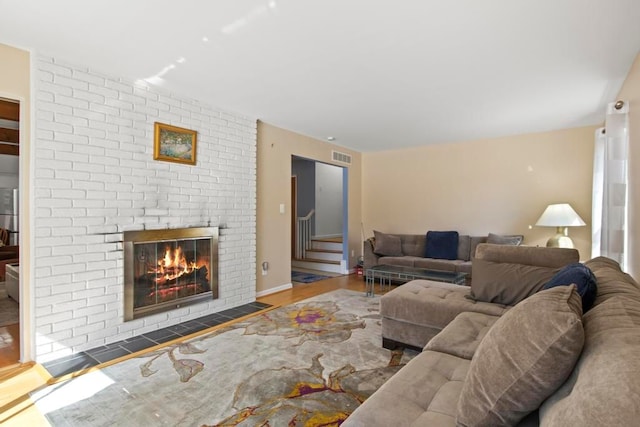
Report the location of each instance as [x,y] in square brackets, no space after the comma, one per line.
[299,276]
[307,364]
[9,311]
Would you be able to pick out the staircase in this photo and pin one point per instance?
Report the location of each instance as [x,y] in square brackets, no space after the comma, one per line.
[323,255]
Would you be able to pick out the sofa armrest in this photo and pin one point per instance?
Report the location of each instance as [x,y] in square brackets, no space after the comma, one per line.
[370,258]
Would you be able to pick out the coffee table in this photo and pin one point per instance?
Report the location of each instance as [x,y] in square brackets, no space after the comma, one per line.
[397,273]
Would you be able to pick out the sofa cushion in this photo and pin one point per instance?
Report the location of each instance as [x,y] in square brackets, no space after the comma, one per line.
[422,393]
[527,354]
[436,264]
[497,239]
[442,245]
[413,244]
[507,283]
[462,336]
[405,261]
[464,247]
[528,255]
[604,387]
[612,281]
[431,304]
[465,267]
[508,274]
[475,241]
[387,244]
[581,276]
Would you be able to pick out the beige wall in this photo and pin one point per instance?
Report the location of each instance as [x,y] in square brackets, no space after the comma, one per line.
[15,84]
[275,148]
[497,185]
[631,93]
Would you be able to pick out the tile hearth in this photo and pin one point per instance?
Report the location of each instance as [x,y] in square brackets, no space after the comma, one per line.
[95,356]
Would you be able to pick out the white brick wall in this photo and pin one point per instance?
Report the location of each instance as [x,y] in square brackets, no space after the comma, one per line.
[95,177]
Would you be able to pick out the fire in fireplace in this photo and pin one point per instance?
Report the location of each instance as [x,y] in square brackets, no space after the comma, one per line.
[167,269]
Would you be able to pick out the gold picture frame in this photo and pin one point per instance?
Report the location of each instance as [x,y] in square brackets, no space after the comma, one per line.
[174,144]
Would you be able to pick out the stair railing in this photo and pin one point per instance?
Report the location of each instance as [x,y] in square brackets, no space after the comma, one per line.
[303,232]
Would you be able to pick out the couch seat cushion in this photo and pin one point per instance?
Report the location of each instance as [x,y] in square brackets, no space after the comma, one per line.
[432,304]
[405,261]
[423,393]
[465,267]
[527,354]
[463,335]
[437,264]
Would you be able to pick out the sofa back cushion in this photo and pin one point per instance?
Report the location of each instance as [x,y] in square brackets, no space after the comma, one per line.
[474,241]
[510,239]
[603,388]
[612,281]
[387,244]
[507,274]
[527,354]
[413,244]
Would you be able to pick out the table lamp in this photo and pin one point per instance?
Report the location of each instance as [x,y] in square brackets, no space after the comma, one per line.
[562,216]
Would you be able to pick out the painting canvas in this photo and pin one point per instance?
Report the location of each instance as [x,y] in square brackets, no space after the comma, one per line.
[174,144]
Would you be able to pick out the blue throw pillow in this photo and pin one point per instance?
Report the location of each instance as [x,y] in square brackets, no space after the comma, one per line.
[442,245]
[582,277]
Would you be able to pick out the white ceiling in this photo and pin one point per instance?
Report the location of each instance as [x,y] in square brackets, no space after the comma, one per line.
[374,74]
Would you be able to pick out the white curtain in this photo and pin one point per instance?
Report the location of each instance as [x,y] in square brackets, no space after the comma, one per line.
[610,179]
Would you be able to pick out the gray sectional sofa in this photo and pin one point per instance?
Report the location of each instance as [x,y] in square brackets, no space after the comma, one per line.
[413,248]
[539,361]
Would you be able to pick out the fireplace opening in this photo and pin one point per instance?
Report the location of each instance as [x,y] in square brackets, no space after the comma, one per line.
[167,269]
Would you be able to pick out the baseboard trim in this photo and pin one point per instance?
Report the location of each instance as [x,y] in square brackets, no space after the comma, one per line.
[274,290]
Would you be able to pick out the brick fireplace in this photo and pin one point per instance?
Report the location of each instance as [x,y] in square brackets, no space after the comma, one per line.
[96,181]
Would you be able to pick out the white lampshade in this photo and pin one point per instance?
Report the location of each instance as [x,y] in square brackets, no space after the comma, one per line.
[560,215]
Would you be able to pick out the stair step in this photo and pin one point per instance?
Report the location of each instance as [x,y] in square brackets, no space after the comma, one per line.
[321,265]
[326,245]
[322,261]
[324,255]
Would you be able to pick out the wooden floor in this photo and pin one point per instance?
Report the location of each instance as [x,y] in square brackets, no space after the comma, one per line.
[17,409]
[9,345]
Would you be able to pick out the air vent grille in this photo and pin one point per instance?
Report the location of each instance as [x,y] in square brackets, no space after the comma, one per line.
[341,157]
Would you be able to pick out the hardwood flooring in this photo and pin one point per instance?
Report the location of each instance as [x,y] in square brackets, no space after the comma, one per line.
[17,409]
[9,345]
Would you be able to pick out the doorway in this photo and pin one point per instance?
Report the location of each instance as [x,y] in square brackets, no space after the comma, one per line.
[318,216]
[9,232]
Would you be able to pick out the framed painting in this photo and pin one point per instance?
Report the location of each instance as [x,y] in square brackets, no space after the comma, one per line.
[174,144]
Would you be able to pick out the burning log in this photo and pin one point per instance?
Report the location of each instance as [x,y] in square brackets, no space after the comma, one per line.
[156,287]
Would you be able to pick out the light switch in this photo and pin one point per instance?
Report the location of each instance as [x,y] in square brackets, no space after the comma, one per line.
[281,208]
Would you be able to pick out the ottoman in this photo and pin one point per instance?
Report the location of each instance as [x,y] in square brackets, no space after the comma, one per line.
[415,312]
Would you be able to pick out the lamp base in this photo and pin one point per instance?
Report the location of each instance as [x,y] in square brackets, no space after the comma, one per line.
[561,239]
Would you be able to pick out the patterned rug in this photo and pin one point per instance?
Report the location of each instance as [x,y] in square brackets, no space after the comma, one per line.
[299,276]
[307,364]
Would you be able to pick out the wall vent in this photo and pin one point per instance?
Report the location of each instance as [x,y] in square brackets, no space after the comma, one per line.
[341,157]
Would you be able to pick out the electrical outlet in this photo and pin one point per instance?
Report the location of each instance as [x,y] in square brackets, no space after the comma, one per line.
[353,253]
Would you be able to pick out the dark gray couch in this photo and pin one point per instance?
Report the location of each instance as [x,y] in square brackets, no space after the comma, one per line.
[413,249]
